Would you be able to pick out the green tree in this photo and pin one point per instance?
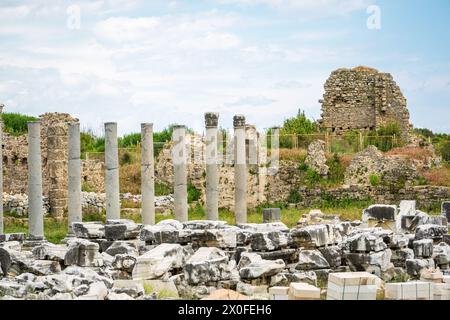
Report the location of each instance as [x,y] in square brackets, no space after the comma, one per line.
[16,123]
[299,124]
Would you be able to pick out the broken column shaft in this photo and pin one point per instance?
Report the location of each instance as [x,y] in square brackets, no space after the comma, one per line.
[147,174]
[74,173]
[112,172]
[35,209]
[212,179]
[1,178]
[240,170]
[179,158]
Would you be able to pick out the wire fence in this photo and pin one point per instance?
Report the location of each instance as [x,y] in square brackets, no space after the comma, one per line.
[126,155]
[345,144]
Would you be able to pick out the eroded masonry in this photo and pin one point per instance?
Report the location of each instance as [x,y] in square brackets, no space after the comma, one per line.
[364,99]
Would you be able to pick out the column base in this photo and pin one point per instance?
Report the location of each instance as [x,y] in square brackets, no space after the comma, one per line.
[31,243]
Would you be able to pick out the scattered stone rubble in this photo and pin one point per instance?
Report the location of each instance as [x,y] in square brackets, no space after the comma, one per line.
[122,260]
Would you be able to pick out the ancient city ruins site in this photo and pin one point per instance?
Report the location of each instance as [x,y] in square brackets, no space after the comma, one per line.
[358,209]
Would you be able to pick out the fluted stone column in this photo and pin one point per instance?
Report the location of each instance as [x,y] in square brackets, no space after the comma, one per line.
[212,178]
[112,171]
[240,170]
[148,174]
[35,209]
[74,173]
[179,158]
[2,230]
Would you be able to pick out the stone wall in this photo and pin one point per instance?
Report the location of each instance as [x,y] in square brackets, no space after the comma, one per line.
[427,197]
[362,98]
[197,171]
[54,152]
[93,175]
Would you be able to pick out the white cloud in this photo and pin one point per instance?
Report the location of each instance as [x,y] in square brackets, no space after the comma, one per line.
[323,7]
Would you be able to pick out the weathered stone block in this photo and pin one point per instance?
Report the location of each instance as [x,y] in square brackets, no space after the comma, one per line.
[83,253]
[271,215]
[380,212]
[156,262]
[311,260]
[445,209]
[430,231]
[287,255]
[415,266]
[5,261]
[88,230]
[49,251]
[122,229]
[423,248]
[221,238]
[252,266]
[123,247]
[400,256]
[310,236]
[207,265]
[333,255]
[268,241]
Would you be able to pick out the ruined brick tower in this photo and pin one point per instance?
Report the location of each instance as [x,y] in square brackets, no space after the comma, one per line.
[364,99]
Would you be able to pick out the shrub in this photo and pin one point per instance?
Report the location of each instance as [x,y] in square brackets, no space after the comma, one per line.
[312,177]
[126,158]
[162,189]
[444,149]
[294,197]
[336,169]
[129,140]
[193,193]
[438,176]
[16,123]
[292,154]
[86,187]
[374,180]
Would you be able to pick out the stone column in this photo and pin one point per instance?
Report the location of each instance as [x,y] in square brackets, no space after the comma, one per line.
[148,174]
[180,173]
[1,176]
[35,209]
[240,170]
[112,171]
[212,179]
[74,173]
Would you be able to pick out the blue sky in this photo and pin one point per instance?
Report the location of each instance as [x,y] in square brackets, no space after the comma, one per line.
[170,61]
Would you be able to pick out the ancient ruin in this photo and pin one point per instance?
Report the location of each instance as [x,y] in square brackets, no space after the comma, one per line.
[364,99]
[122,259]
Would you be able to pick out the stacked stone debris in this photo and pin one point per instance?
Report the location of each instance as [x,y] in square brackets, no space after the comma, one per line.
[121,259]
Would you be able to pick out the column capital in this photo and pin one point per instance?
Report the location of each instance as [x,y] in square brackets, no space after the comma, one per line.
[239,121]
[211,119]
[147,125]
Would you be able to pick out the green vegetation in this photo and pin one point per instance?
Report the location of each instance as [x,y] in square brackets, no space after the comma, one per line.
[193,193]
[162,189]
[15,123]
[374,180]
[336,170]
[298,125]
[294,197]
[86,187]
[441,141]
